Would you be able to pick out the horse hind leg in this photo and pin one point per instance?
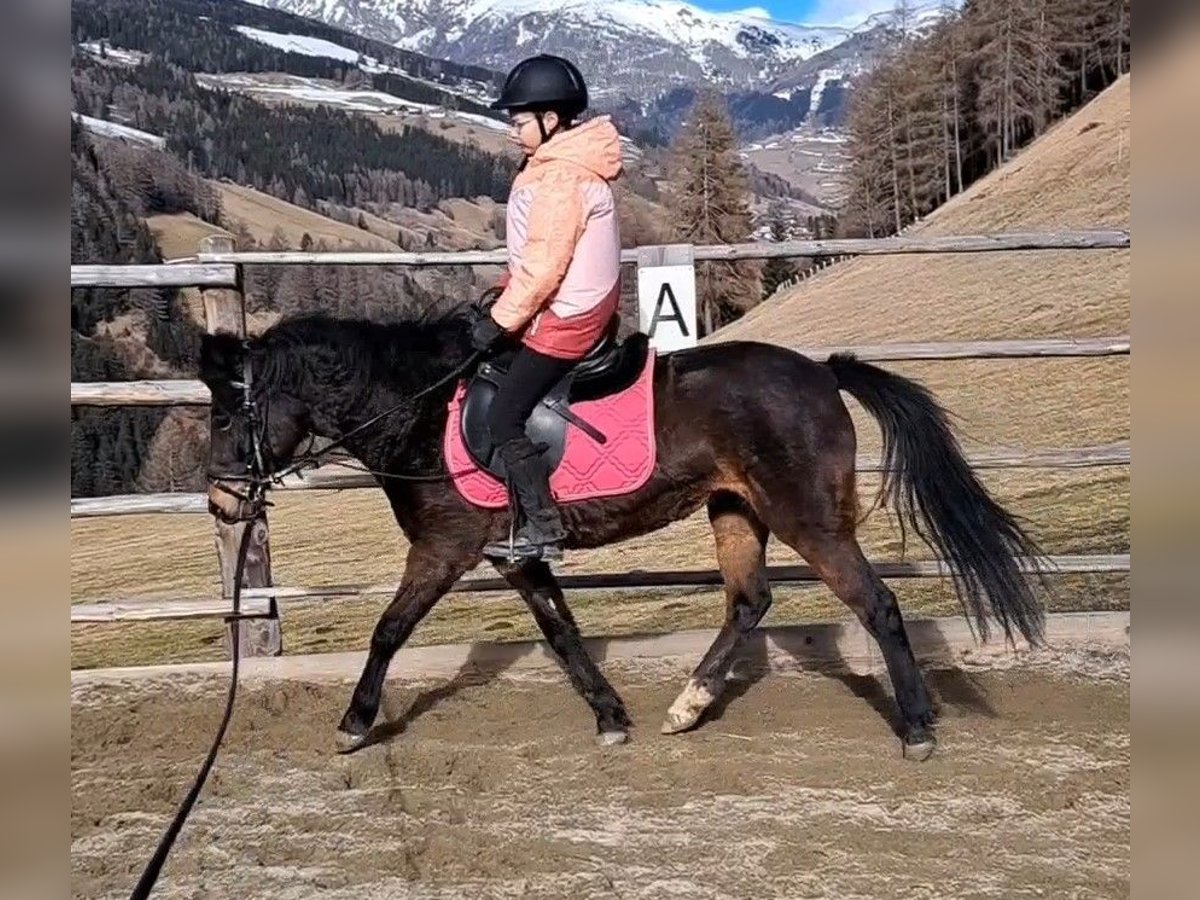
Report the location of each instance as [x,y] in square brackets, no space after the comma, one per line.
[813,508]
[839,560]
[741,540]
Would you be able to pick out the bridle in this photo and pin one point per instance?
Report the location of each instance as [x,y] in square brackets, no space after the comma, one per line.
[257,478]
[259,473]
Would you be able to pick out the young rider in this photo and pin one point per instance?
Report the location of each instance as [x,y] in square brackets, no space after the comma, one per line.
[562,286]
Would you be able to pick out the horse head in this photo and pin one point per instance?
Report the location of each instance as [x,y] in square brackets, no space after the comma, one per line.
[255,424]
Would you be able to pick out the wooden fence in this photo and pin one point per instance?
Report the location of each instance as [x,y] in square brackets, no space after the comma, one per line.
[217,270]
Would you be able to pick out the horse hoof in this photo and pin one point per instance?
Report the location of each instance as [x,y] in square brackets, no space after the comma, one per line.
[347,742]
[612,738]
[920,751]
[677,721]
[687,709]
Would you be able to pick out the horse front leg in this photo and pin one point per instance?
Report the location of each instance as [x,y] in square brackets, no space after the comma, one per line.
[430,570]
[541,592]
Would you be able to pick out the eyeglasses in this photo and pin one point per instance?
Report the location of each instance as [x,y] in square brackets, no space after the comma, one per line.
[518,124]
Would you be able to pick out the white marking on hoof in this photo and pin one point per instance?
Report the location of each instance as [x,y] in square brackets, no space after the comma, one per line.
[611,738]
[347,742]
[687,709]
[919,752]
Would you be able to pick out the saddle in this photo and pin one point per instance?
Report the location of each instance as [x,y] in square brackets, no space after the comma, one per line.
[608,368]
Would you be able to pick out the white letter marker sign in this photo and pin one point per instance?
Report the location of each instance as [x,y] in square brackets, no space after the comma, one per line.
[667,296]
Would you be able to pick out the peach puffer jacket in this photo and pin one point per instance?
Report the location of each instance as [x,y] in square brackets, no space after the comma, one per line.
[564,265]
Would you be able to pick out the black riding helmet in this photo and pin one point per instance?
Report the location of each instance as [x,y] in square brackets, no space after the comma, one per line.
[544,83]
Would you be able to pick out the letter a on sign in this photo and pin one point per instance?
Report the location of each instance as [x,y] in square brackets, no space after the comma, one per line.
[667,296]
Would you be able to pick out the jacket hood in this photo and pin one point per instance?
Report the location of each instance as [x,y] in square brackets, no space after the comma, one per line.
[594,145]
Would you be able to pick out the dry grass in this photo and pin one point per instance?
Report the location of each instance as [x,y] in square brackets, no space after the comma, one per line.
[179,234]
[458,224]
[263,213]
[808,164]
[489,140]
[1075,176]
[455,224]
[321,539]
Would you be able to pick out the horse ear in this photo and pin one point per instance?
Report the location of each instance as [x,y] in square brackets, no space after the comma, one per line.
[220,357]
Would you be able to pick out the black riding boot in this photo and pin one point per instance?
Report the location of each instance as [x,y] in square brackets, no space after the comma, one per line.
[541,533]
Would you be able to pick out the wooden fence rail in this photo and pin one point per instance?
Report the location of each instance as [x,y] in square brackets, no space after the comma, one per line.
[163,392]
[217,267]
[1094,239]
[257,600]
[339,477]
[183,392]
[1032,348]
[156,276]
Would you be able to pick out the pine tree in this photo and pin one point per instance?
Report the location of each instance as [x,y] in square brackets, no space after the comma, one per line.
[1007,58]
[870,181]
[1116,36]
[948,52]
[777,269]
[710,204]
[939,111]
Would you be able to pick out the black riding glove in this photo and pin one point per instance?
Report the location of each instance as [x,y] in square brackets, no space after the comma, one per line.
[486,334]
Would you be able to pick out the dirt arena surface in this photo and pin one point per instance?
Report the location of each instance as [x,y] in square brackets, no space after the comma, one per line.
[494,788]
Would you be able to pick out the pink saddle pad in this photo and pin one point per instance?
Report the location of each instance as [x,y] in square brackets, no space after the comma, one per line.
[588,470]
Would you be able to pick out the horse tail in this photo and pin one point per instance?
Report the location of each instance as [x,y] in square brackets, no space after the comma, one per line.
[925,472]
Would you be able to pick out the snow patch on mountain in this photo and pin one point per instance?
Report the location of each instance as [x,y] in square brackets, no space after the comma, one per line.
[823,78]
[299,43]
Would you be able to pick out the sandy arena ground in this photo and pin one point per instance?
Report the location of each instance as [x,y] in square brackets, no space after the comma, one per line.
[494,788]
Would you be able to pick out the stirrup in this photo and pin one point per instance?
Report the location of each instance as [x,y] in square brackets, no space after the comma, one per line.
[518,547]
[511,551]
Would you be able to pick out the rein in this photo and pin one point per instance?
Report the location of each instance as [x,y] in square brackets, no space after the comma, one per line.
[255,500]
[312,460]
[258,479]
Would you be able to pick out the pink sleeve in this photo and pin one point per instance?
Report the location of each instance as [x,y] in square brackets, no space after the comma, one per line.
[555,224]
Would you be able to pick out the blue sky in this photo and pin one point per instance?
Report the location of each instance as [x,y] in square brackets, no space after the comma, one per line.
[809,12]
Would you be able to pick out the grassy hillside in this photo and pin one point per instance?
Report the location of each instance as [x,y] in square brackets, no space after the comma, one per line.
[263,213]
[1076,175]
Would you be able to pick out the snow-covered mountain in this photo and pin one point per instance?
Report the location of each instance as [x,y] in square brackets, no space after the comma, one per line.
[787,85]
[636,49]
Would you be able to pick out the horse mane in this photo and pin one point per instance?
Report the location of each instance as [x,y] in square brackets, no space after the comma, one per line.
[360,354]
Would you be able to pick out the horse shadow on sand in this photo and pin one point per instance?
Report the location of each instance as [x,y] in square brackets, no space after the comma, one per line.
[811,649]
[815,650]
[486,661]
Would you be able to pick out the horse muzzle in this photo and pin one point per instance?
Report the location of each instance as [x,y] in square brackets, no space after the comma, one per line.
[229,502]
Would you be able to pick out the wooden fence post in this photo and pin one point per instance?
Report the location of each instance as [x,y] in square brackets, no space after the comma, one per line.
[257,637]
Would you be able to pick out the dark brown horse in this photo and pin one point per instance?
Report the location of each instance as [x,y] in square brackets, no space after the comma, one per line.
[756,433]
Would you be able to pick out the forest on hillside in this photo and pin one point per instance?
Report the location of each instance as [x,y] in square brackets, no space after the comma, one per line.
[119,335]
[111,194]
[944,109]
[295,153]
[199,35]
